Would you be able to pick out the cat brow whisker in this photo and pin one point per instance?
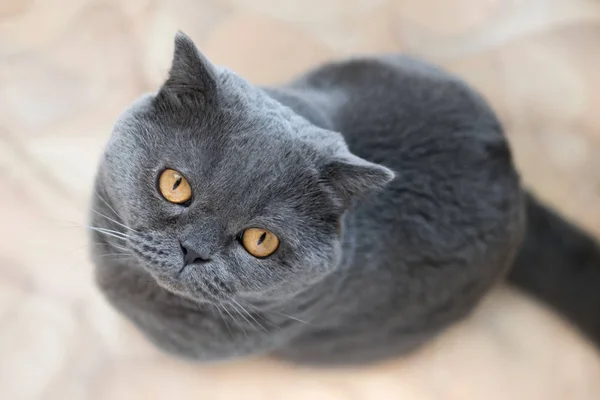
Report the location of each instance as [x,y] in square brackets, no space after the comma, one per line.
[116,222]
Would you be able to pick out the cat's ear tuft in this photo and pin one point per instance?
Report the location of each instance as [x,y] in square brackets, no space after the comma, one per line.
[192,75]
[351,176]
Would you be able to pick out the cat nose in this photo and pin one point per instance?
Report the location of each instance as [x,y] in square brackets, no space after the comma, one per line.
[191,255]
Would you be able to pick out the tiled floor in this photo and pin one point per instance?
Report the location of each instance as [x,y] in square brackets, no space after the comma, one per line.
[68,67]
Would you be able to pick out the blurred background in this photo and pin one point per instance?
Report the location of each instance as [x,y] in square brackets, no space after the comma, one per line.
[69,67]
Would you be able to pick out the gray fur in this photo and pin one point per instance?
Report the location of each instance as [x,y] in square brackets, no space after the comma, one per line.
[372,263]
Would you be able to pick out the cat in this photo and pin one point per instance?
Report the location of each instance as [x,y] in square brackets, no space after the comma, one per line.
[346,217]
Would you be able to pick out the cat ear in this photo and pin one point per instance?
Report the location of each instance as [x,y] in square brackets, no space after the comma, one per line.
[192,75]
[351,176]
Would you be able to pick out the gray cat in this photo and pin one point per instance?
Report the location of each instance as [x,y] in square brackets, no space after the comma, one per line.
[346,217]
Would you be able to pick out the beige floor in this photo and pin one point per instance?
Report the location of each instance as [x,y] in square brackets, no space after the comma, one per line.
[67,67]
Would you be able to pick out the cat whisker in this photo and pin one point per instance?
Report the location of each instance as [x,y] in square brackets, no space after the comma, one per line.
[291,317]
[106,203]
[116,222]
[116,246]
[250,315]
[111,231]
[235,320]
[121,248]
[114,234]
[224,320]
[237,310]
[279,313]
[261,316]
[116,255]
[68,224]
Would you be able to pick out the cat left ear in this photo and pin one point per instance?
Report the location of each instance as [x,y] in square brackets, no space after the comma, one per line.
[351,176]
[191,75]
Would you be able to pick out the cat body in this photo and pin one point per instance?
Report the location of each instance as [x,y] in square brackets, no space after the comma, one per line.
[388,182]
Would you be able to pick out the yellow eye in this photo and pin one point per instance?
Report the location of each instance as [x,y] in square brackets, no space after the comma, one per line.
[259,242]
[174,187]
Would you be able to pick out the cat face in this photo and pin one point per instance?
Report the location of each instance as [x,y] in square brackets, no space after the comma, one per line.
[224,191]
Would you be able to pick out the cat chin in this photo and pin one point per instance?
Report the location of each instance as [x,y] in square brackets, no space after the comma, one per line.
[197,296]
[179,289]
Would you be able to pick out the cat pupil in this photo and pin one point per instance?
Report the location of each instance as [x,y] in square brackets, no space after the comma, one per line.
[177,183]
[262,238]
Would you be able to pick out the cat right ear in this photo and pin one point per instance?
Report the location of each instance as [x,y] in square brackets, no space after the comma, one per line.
[192,76]
[351,176]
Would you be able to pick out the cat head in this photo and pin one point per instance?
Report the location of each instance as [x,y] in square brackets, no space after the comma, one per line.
[219,191]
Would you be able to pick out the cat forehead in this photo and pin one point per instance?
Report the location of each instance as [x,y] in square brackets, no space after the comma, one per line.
[244,116]
[261,138]
[239,105]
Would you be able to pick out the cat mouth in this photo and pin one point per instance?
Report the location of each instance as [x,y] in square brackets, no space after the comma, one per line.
[183,268]
[188,280]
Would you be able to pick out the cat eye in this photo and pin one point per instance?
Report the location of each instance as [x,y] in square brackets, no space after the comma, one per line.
[259,242]
[174,187]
